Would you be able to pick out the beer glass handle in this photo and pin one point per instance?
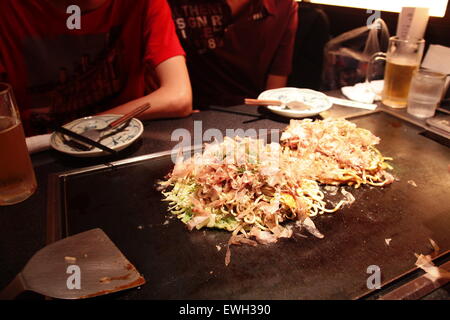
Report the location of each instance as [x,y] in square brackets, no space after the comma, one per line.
[375,58]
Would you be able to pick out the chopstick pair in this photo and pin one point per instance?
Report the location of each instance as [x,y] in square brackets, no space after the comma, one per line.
[80,138]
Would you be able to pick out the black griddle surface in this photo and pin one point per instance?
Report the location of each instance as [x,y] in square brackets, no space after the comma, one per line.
[179,264]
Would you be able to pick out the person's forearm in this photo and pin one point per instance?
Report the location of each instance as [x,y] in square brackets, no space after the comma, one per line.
[164,104]
[275,82]
[173,99]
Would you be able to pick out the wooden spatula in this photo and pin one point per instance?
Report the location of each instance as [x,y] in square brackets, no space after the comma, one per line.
[81,266]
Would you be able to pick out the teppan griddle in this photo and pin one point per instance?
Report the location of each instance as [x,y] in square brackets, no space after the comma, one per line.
[121,199]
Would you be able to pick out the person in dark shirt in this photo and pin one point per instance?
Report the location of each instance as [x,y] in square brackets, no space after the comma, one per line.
[235,48]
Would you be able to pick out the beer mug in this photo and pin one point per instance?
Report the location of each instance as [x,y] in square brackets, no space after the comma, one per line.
[403,57]
[17,179]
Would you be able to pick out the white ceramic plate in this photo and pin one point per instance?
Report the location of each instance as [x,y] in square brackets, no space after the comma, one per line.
[318,101]
[118,141]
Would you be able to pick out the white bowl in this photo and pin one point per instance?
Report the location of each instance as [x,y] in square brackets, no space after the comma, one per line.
[318,101]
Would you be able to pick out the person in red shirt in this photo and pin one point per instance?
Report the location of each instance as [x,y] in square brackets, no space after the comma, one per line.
[59,72]
[235,48]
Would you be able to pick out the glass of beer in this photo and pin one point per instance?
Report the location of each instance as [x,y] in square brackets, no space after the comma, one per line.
[402,59]
[17,179]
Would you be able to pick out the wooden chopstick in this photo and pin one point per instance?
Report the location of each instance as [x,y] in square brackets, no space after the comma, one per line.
[257,102]
[129,115]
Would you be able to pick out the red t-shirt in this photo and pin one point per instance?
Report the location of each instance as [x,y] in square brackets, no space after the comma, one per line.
[59,74]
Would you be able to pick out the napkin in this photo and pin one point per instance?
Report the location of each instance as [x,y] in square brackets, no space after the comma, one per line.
[38,143]
[364,92]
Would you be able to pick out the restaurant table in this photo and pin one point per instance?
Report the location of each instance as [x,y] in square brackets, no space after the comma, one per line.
[24,226]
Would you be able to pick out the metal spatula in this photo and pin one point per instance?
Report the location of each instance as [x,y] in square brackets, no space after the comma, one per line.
[82,266]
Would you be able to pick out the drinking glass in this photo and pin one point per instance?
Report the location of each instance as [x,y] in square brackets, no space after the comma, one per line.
[425,93]
[403,57]
[17,179]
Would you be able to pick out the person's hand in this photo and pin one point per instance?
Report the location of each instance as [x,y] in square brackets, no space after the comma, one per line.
[172,99]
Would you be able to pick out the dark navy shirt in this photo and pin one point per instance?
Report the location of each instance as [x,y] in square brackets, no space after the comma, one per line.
[230,60]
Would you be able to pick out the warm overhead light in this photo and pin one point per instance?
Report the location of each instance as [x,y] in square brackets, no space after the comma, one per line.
[437,7]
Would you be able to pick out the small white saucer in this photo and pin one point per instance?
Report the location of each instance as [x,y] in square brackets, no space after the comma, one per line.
[117,142]
[318,101]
